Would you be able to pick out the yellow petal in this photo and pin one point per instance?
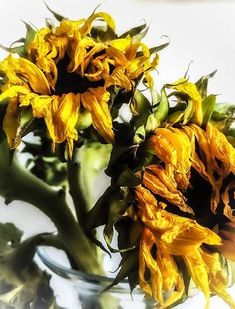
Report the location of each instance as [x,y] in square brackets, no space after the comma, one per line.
[199,272]
[218,282]
[13,91]
[20,71]
[121,44]
[119,59]
[174,148]
[95,100]
[101,16]
[153,286]
[11,122]
[118,78]
[60,115]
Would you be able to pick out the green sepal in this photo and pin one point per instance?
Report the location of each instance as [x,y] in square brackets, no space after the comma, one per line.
[20,50]
[223,116]
[161,111]
[57,16]
[208,105]
[141,108]
[158,48]
[103,33]
[30,33]
[137,33]
[128,178]
[202,84]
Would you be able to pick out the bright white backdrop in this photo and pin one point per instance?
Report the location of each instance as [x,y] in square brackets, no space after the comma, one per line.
[199,31]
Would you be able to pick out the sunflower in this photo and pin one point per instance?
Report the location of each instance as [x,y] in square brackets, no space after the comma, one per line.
[66,71]
[165,239]
[185,203]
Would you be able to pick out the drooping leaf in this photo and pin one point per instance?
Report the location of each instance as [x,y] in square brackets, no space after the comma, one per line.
[116,209]
[128,265]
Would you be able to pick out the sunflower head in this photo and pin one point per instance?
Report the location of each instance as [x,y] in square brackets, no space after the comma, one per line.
[71,68]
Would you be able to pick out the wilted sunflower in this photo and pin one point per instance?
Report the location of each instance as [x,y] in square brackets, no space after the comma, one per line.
[184,197]
[66,70]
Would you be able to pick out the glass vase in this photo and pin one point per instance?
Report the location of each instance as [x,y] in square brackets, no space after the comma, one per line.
[86,289]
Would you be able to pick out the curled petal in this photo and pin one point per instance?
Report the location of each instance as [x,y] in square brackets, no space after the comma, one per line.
[199,272]
[95,100]
[11,122]
[101,16]
[60,115]
[195,99]
[218,282]
[19,69]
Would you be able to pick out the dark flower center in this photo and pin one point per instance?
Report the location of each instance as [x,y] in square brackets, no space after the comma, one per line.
[72,82]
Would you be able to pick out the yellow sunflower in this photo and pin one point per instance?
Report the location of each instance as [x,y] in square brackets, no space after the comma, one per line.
[167,236]
[67,70]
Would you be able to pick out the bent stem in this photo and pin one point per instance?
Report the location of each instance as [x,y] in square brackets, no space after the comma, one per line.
[17,183]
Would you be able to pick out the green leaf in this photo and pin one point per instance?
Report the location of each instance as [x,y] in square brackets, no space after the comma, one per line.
[117,208]
[202,84]
[56,15]
[207,108]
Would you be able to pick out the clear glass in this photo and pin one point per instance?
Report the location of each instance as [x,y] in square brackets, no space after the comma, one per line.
[88,287]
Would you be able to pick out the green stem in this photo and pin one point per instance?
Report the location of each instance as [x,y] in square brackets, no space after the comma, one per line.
[17,183]
[79,201]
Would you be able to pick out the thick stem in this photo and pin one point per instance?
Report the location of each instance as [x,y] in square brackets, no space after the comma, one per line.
[17,183]
[79,201]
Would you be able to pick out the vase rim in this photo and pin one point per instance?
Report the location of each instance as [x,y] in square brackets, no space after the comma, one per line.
[62,270]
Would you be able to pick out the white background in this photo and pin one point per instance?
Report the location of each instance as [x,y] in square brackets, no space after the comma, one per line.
[199,31]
